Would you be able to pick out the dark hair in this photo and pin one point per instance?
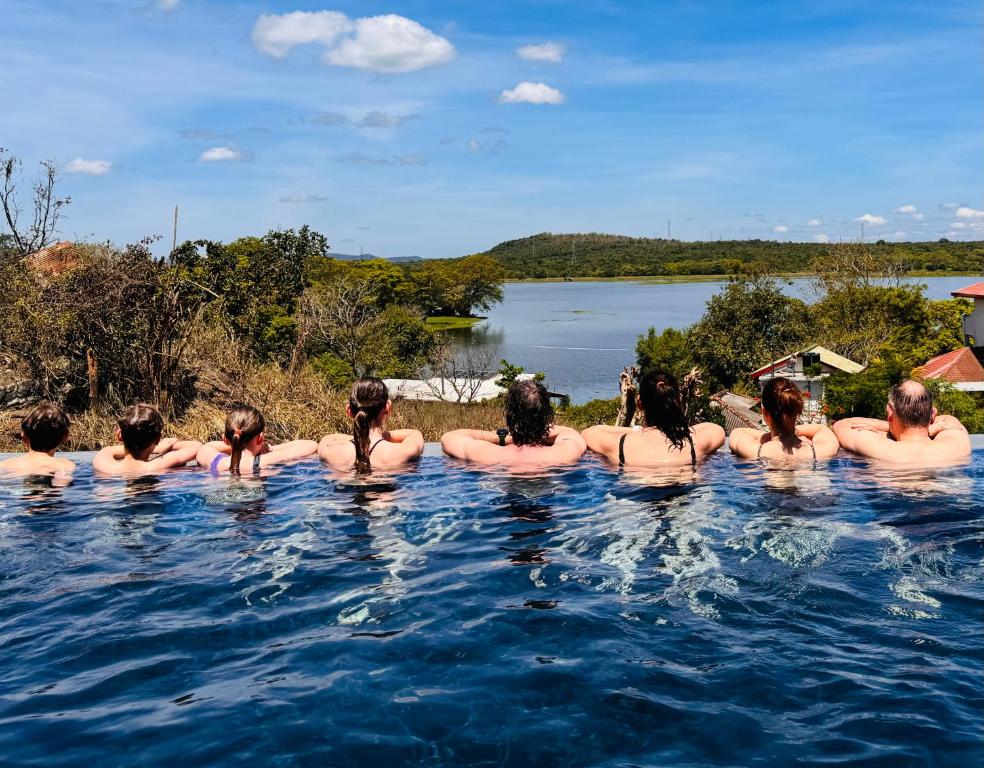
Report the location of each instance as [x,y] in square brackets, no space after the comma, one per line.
[45,428]
[243,423]
[912,403]
[367,402]
[529,414]
[140,428]
[783,401]
[662,406]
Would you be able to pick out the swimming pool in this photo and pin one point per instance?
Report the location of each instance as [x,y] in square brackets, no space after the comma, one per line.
[464,617]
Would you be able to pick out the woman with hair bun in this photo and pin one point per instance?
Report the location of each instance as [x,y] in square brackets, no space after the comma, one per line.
[667,439]
[371,445]
[782,404]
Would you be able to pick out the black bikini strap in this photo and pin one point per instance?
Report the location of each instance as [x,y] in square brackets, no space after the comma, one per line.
[621,449]
[256,464]
[373,446]
[693,451]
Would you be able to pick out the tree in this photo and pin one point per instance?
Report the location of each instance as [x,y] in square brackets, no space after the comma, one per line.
[669,351]
[45,206]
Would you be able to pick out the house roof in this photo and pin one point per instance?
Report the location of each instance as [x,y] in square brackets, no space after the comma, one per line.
[957,366]
[975,291]
[55,259]
[827,357]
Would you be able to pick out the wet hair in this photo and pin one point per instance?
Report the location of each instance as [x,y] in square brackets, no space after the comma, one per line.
[367,403]
[529,415]
[912,403]
[783,401]
[662,406]
[140,428]
[242,424]
[45,428]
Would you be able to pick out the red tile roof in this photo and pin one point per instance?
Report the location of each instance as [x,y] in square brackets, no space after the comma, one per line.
[975,291]
[55,259]
[956,366]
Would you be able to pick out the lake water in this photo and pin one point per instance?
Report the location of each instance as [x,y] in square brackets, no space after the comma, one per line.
[582,334]
[460,617]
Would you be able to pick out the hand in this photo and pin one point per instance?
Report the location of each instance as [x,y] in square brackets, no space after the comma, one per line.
[164,446]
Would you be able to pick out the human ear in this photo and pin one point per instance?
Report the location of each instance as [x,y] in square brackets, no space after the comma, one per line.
[932,418]
[119,435]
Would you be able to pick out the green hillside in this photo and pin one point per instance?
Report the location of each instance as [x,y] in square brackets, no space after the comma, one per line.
[599,255]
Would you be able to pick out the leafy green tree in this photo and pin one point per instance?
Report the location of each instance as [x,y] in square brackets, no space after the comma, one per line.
[669,351]
[865,393]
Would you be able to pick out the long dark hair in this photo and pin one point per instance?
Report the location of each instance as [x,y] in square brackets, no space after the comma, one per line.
[662,406]
[367,403]
[783,401]
[243,423]
[529,414]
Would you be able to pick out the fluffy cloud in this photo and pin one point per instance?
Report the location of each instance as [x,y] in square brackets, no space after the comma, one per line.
[388,44]
[821,238]
[910,209]
[378,119]
[551,52]
[220,154]
[531,93]
[813,223]
[874,221]
[360,158]
[304,198]
[780,228]
[969,213]
[89,167]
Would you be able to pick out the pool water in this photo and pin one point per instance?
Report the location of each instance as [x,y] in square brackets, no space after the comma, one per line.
[453,616]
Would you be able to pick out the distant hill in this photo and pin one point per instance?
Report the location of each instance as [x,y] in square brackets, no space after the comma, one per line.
[601,255]
[370,256]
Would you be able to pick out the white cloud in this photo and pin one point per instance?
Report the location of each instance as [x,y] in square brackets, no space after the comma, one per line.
[899,235]
[949,206]
[910,209]
[89,167]
[531,93]
[220,154]
[168,5]
[474,146]
[306,198]
[388,44]
[875,221]
[969,213]
[780,228]
[551,52]
[918,217]
[813,223]
[958,225]
[821,238]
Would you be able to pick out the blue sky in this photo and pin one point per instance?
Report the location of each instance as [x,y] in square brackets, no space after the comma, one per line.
[448,126]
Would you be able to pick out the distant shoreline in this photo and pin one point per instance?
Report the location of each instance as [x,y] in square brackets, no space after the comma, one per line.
[676,279]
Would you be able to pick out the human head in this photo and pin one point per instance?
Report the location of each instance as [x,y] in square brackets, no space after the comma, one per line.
[529,415]
[140,428]
[368,406]
[910,406]
[44,428]
[243,425]
[662,406]
[782,404]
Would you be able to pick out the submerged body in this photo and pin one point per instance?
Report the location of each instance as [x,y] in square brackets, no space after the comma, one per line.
[388,449]
[38,463]
[562,446]
[650,448]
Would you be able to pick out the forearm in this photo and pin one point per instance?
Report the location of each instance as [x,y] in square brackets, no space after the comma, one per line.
[399,435]
[808,430]
[943,423]
[859,422]
[479,434]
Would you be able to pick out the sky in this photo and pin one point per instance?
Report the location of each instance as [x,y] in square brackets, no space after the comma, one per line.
[439,128]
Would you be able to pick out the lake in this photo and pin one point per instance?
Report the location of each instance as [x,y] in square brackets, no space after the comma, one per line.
[582,334]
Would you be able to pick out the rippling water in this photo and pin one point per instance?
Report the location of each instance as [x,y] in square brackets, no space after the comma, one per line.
[454,616]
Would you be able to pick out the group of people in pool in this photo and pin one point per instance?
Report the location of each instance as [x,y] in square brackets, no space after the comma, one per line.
[911,433]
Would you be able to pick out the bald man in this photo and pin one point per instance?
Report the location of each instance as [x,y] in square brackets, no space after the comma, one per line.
[912,433]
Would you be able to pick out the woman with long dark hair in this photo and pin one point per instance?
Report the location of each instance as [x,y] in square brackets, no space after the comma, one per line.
[244,449]
[666,439]
[782,404]
[371,445]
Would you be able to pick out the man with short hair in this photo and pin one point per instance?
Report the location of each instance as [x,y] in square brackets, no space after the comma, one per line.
[530,439]
[912,433]
[42,430]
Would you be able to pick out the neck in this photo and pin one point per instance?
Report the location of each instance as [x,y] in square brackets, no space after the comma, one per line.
[50,453]
[143,455]
[910,434]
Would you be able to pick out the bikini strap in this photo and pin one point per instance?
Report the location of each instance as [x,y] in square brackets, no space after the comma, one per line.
[693,451]
[621,450]
[373,446]
[256,464]
[214,466]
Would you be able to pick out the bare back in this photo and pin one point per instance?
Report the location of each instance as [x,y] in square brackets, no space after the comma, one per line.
[944,442]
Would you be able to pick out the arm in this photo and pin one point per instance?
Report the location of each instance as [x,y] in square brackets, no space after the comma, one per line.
[948,430]
[295,449]
[859,422]
[328,442]
[603,439]
[164,445]
[568,445]
[825,442]
[178,454]
[455,443]
[105,461]
[856,436]
[945,423]
[411,440]
[744,442]
[709,436]
[809,431]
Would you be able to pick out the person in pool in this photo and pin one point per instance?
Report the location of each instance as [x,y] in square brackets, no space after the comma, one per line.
[371,445]
[141,450]
[530,438]
[243,448]
[911,433]
[786,441]
[666,438]
[42,430]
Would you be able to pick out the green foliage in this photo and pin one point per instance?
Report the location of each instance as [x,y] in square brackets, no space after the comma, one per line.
[943,329]
[966,406]
[508,373]
[337,373]
[866,393]
[457,288]
[399,344]
[587,415]
[668,351]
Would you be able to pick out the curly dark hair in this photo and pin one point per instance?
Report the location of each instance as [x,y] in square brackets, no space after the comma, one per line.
[529,414]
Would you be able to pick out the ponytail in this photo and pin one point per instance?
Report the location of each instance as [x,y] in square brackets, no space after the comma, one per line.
[662,406]
[783,401]
[243,423]
[366,404]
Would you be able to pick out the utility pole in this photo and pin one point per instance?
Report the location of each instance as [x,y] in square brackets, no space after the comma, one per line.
[174,239]
[668,230]
[862,231]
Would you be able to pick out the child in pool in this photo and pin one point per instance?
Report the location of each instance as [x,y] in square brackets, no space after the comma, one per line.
[42,430]
[244,438]
[141,450]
